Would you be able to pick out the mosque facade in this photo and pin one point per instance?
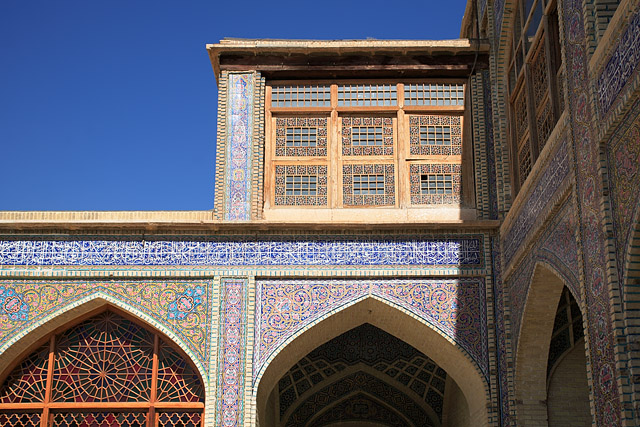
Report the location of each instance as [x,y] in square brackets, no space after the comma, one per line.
[404,233]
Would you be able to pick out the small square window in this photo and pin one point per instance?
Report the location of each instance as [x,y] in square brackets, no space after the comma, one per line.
[436,184]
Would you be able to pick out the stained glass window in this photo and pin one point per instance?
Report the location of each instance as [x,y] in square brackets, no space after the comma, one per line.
[105,371]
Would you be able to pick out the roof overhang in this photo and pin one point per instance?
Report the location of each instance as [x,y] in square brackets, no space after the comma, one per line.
[317,59]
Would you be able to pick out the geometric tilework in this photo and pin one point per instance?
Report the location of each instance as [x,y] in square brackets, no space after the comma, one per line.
[239,147]
[550,180]
[606,402]
[230,385]
[558,246]
[253,251]
[621,66]
[179,306]
[623,157]
[501,335]
[453,307]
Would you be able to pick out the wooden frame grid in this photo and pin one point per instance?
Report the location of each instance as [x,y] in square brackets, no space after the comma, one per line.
[49,405]
[387,109]
[535,84]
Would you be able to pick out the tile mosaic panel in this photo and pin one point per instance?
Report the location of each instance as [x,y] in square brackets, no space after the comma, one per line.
[383,146]
[250,251]
[180,306]
[489,144]
[232,345]
[502,354]
[558,246]
[622,65]
[454,307]
[417,171]
[548,183]
[286,198]
[352,196]
[606,395]
[352,384]
[417,145]
[317,145]
[623,158]
[239,147]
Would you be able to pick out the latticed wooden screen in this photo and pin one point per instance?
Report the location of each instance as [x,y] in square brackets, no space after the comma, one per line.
[536,96]
[319,133]
[105,372]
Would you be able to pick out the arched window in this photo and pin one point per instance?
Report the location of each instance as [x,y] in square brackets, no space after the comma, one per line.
[107,371]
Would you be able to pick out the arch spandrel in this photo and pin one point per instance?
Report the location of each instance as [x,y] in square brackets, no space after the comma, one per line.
[19,335]
[454,308]
[392,319]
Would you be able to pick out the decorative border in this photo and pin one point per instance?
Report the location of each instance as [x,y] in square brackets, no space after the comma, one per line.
[503,361]
[283,123]
[454,307]
[251,251]
[621,66]
[319,171]
[367,150]
[233,321]
[417,170]
[546,187]
[239,126]
[386,199]
[587,163]
[453,122]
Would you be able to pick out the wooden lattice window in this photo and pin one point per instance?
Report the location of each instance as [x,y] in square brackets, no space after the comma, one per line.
[318,133]
[439,135]
[535,88]
[368,185]
[367,136]
[301,185]
[301,136]
[438,184]
[105,371]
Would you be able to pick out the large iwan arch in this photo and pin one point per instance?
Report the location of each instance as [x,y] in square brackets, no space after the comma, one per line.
[391,319]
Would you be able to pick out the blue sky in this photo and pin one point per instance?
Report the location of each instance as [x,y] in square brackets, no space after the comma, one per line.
[111,105]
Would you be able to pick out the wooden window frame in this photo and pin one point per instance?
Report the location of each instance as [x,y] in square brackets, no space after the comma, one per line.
[335,159]
[152,408]
[546,37]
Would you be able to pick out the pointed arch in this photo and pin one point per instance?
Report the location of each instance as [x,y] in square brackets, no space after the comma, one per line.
[392,319]
[103,365]
[33,334]
[350,371]
[532,353]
